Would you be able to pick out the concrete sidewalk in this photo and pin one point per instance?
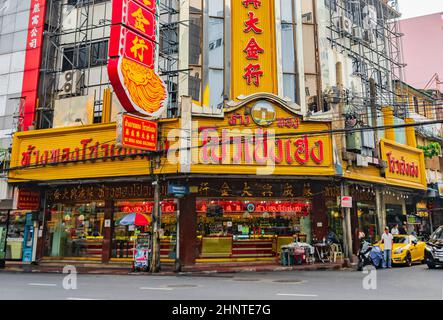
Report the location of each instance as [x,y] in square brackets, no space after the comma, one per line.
[169,269]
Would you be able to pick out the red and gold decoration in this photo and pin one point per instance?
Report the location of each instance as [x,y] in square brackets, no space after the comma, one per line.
[253,49]
[132,51]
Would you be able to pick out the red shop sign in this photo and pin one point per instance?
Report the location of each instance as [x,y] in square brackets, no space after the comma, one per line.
[28,200]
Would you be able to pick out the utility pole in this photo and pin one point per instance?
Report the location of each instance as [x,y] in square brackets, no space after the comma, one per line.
[155,261]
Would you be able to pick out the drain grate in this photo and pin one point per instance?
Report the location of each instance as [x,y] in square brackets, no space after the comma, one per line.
[288,281]
[182,286]
[246,279]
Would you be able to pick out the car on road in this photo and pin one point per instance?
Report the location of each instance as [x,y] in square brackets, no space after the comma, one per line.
[434,249]
[406,249]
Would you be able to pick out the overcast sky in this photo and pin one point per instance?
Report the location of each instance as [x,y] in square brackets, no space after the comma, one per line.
[415,8]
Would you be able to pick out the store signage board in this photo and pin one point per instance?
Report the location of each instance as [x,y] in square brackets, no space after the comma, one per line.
[178,191]
[254,61]
[345,202]
[132,58]
[136,133]
[28,200]
[405,165]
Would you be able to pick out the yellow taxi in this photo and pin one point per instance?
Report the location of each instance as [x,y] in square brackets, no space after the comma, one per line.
[406,249]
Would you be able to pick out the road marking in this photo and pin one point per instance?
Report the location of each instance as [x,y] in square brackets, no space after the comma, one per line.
[297,295]
[163,289]
[80,299]
[42,284]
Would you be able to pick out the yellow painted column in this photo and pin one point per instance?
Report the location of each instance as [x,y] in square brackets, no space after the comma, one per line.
[388,116]
[411,138]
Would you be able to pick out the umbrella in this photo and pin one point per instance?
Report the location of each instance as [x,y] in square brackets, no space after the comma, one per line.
[136,219]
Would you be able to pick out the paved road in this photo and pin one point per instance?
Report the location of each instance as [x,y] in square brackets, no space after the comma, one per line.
[399,283]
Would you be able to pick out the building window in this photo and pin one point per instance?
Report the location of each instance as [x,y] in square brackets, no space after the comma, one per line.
[416,105]
[206,77]
[84,56]
[289,65]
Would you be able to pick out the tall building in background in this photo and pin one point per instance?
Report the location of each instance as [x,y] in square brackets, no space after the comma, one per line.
[423,49]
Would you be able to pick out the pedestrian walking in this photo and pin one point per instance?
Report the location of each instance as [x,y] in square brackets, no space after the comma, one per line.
[395,231]
[386,239]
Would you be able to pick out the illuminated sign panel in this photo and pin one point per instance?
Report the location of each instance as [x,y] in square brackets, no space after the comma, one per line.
[132,51]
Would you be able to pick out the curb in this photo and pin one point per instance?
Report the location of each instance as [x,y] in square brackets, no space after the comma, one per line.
[187,271]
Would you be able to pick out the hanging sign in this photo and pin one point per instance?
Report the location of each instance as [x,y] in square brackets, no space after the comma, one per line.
[31,73]
[345,202]
[136,133]
[132,51]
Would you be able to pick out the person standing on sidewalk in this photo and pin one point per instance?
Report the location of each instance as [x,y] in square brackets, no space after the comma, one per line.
[394,230]
[386,239]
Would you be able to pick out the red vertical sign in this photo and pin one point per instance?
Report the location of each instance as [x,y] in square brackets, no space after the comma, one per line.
[33,60]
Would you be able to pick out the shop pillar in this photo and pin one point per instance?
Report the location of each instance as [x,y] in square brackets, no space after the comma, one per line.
[347,225]
[380,207]
[188,230]
[411,137]
[388,116]
[319,218]
[107,233]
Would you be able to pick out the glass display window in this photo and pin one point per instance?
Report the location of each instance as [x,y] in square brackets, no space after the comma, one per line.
[124,237]
[75,230]
[368,222]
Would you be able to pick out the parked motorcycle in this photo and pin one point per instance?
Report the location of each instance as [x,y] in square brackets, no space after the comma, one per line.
[369,255]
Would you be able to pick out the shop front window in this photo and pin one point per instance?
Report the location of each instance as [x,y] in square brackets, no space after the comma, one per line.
[335,232]
[250,228]
[124,237]
[367,222]
[76,230]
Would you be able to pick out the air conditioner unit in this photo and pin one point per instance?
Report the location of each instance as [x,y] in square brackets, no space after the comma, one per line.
[369,36]
[70,83]
[345,25]
[357,33]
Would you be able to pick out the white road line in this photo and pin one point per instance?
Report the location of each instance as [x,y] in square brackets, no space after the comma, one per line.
[297,295]
[163,289]
[42,284]
[80,299]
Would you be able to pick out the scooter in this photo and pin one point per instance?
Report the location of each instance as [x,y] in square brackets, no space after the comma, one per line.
[369,255]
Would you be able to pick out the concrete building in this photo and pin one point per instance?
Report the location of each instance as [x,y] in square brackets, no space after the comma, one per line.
[423,48]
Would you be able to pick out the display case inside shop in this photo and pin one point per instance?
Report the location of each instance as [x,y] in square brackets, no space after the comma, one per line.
[249,228]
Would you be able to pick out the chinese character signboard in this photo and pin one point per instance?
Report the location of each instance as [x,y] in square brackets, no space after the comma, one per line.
[136,133]
[32,61]
[253,47]
[132,51]
[28,200]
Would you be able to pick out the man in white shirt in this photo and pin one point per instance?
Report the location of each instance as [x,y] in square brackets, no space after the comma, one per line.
[386,239]
[394,230]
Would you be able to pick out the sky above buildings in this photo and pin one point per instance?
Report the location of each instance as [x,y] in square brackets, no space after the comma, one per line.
[415,8]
